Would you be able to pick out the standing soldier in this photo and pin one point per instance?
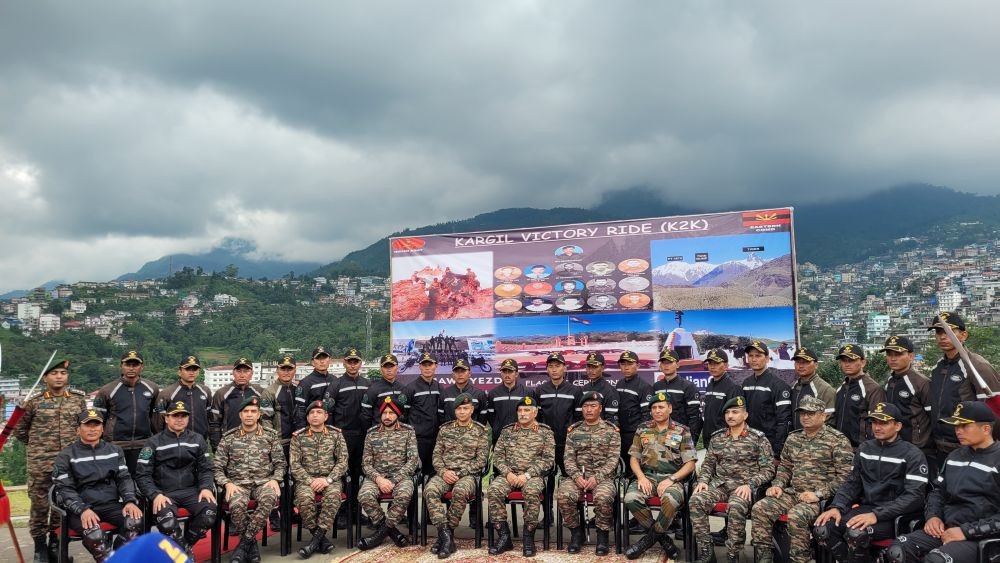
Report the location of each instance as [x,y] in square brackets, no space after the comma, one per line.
[318,461]
[662,456]
[174,471]
[809,384]
[344,398]
[390,459]
[313,386]
[684,401]
[460,373]
[633,404]
[503,400]
[737,463]
[249,464]
[590,466]
[857,395]
[815,463]
[227,401]
[48,425]
[721,389]
[769,400]
[387,386]
[459,457]
[557,399]
[524,452]
[196,396]
[909,390]
[423,409]
[128,407]
[277,402]
[597,382]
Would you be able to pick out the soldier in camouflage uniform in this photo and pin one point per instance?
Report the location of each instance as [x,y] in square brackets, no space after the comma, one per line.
[249,464]
[815,462]
[47,426]
[460,454]
[390,460]
[738,462]
[318,455]
[590,466]
[525,451]
[662,457]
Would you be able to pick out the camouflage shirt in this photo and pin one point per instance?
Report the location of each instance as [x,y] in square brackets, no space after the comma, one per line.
[49,424]
[529,450]
[249,458]
[733,462]
[463,449]
[819,464]
[662,452]
[318,454]
[390,453]
[592,450]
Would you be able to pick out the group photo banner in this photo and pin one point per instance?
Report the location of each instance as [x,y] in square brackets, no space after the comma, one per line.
[690,284]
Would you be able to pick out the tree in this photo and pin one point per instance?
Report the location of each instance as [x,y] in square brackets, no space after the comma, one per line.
[231,271]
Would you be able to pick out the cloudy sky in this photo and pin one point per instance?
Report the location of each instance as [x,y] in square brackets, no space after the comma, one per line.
[130,130]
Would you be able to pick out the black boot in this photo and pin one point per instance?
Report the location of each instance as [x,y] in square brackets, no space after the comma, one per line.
[325,545]
[706,552]
[636,550]
[528,539]
[252,550]
[374,540]
[306,551]
[603,547]
[447,542]
[575,540]
[667,544]
[397,537]
[720,537]
[239,554]
[274,520]
[54,548]
[96,544]
[436,546]
[502,542]
[41,551]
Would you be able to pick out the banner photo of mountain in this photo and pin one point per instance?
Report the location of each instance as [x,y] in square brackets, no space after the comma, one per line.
[687,283]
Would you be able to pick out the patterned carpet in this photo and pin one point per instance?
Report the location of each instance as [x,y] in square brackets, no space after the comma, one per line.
[389,553]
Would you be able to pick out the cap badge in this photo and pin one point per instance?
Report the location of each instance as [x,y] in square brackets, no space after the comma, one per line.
[527,400]
[92,412]
[179,405]
[739,401]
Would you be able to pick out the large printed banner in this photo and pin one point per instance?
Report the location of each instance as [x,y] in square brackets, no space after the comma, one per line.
[687,283]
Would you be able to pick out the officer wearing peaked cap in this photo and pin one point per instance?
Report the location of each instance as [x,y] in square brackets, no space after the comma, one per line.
[424,409]
[856,396]
[460,372]
[809,384]
[228,401]
[387,386]
[682,393]
[197,396]
[721,389]
[504,398]
[633,406]
[769,399]
[597,382]
[909,390]
[557,400]
[128,406]
[313,387]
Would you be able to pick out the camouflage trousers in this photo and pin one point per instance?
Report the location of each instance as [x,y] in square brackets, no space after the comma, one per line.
[701,505]
[401,495]
[38,493]
[801,516]
[670,501]
[462,492]
[569,495]
[532,490]
[249,522]
[329,504]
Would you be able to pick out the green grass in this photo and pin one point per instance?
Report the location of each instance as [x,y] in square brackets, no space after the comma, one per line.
[213,356]
[19,503]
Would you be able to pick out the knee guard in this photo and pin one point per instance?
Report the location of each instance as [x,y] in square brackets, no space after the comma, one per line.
[822,535]
[166,521]
[935,556]
[858,540]
[894,554]
[203,520]
[93,541]
[133,527]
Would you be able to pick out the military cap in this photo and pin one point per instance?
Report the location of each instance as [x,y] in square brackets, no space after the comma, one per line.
[717,355]
[803,353]
[658,397]
[460,364]
[320,351]
[851,352]
[388,403]
[463,399]
[628,356]
[556,357]
[595,359]
[60,364]
[352,354]
[591,396]
[313,405]
[427,357]
[758,346]
[897,344]
[286,362]
[89,415]
[242,362]
[810,403]
[884,412]
[188,361]
[388,360]
[668,355]
[251,401]
[132,356]
[527,401]
[737,402]
[180,406]
[508,364]
[954,320]
[968,412]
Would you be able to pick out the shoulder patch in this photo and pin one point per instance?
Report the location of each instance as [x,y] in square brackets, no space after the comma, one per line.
[757,432]
[511,425]
[77,392]
[373,428]
[794,431]
[481,425]
[334,428]
[611,425]
[404,425]
[719,431]
[146,453]
[297,432]
[267,429]
[543,425]
[231,431]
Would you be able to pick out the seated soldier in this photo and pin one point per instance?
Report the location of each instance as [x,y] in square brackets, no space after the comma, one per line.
[93,485]
[815,462]
[592,448]
[662,457]
[889,479]
[389,461]
[460,454]
[318,461]
[249,464]
[525,451]
[174,471]
[737,462]
[962,508]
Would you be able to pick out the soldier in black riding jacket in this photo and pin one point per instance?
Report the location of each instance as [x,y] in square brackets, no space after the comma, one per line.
[128,407]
